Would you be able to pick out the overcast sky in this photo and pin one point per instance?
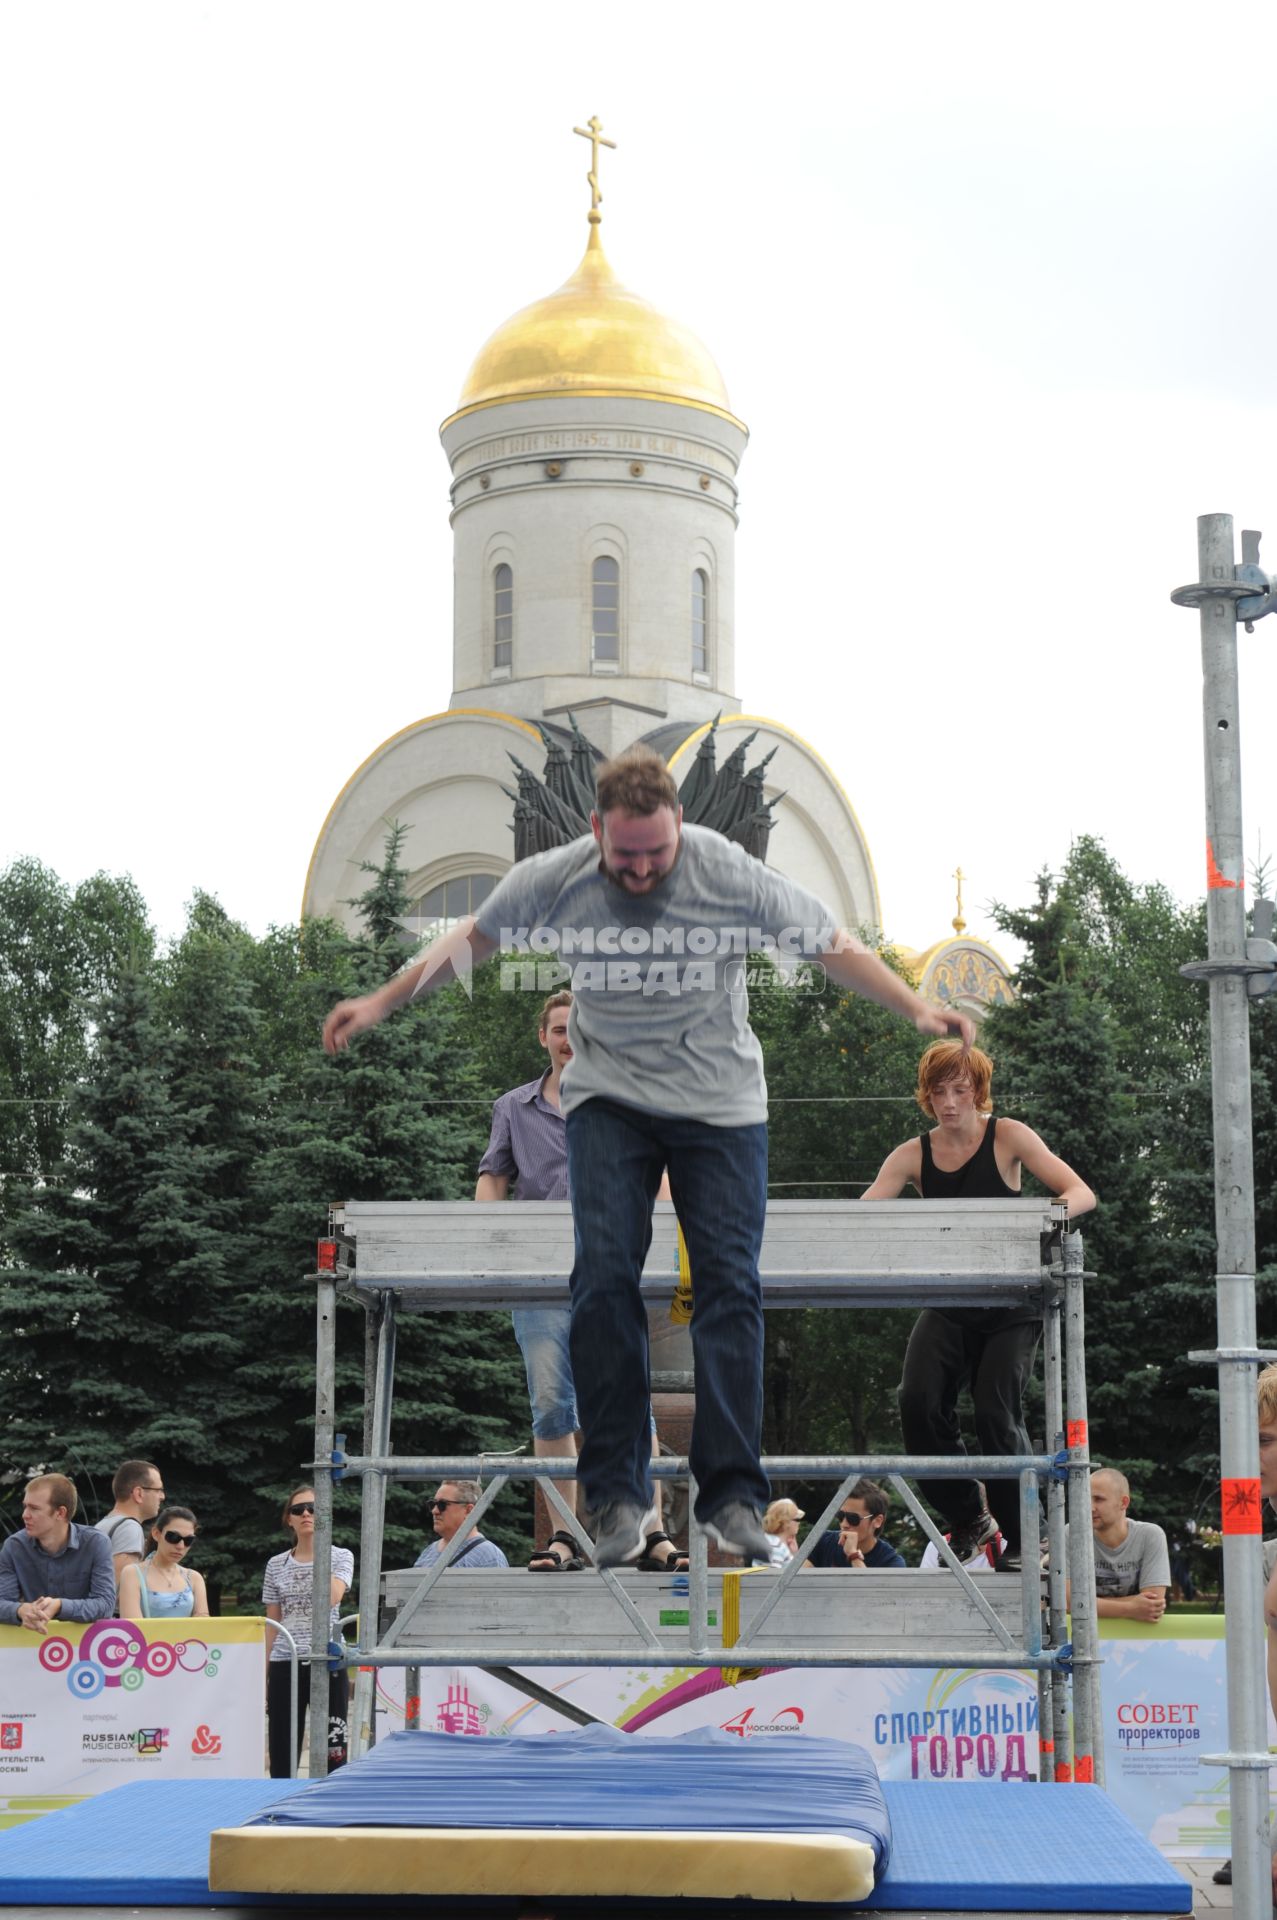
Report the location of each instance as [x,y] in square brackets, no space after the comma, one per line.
[992,286]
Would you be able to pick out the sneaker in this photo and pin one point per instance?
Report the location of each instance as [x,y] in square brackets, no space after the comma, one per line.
[738,1529]
[620,1532]
[968,1540]
[1223,1876]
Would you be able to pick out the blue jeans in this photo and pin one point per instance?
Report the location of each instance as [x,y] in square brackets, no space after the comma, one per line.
[542,1334]
[718,1177]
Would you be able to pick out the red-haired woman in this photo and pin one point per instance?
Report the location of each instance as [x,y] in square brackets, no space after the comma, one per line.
[970,1155]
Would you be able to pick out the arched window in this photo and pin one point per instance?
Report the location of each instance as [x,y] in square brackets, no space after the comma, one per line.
[449,902]
[700,621]
[503,616]
[606,607]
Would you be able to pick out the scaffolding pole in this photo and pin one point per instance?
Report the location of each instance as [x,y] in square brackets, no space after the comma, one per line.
[1216,595]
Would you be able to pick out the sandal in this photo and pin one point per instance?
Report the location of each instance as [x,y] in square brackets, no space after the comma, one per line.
[546,1560]
[675,1561]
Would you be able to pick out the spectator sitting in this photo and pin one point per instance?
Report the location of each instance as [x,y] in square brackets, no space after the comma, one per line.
[858,1541]
[53,1569]
[451,1507]
[780,1524]
[162,1587]
[137,1488]
[1132,1562]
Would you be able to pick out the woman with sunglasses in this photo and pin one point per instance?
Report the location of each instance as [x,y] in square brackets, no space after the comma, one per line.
[286,1592]
[162,1587]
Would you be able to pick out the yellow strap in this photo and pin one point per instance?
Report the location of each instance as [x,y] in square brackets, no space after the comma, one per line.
[731,1623]
[681,1304]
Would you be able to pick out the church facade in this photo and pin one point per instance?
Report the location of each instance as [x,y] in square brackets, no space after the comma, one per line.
[594,456]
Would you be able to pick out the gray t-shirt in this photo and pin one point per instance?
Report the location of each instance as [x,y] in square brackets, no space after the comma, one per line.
[124,1534]
[660,1015]
[1141,1561]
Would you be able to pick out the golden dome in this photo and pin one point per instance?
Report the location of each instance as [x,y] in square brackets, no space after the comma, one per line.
[593,337]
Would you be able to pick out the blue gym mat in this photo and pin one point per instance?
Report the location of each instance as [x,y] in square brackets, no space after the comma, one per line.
[597,1778]
[956,1847]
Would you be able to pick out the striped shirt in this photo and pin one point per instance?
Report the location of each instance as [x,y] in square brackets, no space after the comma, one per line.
[529,1142]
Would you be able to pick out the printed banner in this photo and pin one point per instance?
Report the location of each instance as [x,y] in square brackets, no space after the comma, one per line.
[1166,1704]
[945,1724]
[88,1707]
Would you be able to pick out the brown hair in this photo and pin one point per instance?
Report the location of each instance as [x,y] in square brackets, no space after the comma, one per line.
[945,1060]
[562,999]
[1267,1389]
[305,1487]
[874,1499]
[61,1492]
[636,781]
[132,1474]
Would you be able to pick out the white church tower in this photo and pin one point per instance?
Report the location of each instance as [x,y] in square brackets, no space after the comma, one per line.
[594,458]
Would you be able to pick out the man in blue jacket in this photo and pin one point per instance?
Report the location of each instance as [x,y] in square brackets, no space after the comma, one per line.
[858,1541]
[53,1569]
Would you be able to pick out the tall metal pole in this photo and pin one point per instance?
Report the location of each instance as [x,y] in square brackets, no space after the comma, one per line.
[321,1583]
[1234,1220]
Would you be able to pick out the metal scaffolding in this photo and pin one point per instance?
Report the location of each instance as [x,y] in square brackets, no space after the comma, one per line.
[402,1257]
[1237,968]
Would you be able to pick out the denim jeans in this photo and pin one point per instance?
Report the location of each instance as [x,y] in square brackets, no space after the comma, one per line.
[718,1177]
[542,1334]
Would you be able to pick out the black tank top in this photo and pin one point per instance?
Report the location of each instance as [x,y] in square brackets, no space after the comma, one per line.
[976,1179]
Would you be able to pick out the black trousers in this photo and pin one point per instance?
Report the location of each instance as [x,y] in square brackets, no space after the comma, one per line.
[943,1355]
[284,1752]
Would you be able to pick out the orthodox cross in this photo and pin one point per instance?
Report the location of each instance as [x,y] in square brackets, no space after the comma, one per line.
[959,924]
[593,132]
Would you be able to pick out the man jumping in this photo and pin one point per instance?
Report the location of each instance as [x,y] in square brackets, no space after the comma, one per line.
[665,1072]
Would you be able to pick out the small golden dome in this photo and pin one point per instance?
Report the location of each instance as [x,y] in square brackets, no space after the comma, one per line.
[593,337]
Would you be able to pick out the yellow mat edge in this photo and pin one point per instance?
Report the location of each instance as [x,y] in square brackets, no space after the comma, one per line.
[801,1867]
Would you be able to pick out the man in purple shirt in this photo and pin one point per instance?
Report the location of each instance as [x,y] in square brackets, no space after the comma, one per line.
[528,1146]
[52,1569]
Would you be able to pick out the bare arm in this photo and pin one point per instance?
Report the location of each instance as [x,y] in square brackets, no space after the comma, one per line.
[492,1186]
[849,963]
[336,1588]
[130,1601]
[902,1166]
[1056,1175]
[1148,1606]
[123,1560]
[200,1610]
[451,957]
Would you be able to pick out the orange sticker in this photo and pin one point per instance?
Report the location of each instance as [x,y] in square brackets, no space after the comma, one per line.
[1214,878]
[1047,1746]
[1084,1771]
[1075,1433]
[1240,1506]
[1063,1771]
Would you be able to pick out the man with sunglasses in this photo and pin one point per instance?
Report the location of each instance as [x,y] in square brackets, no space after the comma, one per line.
[858,1541]
[451,1508]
